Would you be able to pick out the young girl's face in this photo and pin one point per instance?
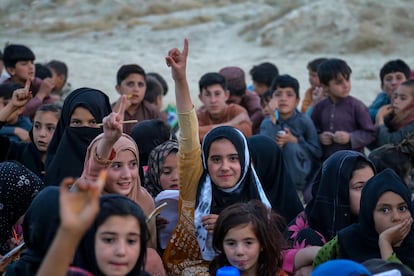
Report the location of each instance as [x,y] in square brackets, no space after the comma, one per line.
[122,174]
[118,245]
[223,164]
[82,117]
[242,248]
[357,182]
[44,125]
[169,173]
[402,97]
[391,209]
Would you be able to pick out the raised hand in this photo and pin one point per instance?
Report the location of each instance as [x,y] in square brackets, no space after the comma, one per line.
[112,124]
[21,96]
[177,60]
[79,206]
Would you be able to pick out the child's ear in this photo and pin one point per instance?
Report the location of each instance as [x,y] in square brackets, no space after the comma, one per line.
[227,94]
[11,71]
[117,87]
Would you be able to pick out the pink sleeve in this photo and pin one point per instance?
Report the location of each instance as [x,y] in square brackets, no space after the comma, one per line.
[289,260]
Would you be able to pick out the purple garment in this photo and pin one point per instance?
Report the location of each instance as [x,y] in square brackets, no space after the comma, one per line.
[350,115]
[251,102]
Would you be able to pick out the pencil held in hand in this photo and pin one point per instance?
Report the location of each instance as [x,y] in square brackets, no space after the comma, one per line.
[122,122]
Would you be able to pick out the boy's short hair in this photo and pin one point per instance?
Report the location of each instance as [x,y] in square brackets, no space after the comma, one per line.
[15,52]
[59,67]
[161,80]
[125,70]
[314,64]
[154,89]
[211,78]
[284,81]
[265,73]
[394,66]
[7,89]
[331,69]
[236,80]
[42,71]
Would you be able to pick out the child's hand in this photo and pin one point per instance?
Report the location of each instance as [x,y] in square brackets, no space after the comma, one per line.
[209,222]
[395,235]
[22,134]
[45,88]
[177,60]
[288,137]
[341,137]
[79,207]
[317,95]
[112,124]
[273,103]
[21,96]
[382,113]
[326,138]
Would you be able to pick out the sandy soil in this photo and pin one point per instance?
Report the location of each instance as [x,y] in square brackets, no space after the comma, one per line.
[95,37]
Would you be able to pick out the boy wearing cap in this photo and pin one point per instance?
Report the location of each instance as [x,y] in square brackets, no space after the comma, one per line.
[236,84]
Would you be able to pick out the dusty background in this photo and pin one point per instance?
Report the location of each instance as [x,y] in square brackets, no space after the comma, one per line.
[95,37]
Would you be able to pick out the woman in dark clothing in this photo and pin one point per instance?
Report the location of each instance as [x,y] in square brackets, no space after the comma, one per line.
[82,110]
[267,159]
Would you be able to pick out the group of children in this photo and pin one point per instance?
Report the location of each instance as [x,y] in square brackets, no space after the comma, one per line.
[237,201]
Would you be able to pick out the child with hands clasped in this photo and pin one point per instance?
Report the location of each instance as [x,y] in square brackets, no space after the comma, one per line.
[385,225]
[293,131]
[342,121]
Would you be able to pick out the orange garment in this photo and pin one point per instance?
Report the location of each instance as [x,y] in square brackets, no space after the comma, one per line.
[206,123]
[307,100]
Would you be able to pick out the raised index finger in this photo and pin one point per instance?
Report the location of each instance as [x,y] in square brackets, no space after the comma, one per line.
[27,85]
[185,49]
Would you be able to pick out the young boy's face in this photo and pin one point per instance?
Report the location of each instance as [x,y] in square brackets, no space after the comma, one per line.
[22,71]
[401,98]
[391,82]
[338,88]
[287,101]
[313,78]
[44,125]
[214,98]
[58,80]
[134,86]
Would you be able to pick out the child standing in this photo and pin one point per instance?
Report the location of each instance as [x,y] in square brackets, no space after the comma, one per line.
[293,131]
[247,237]
[342,121]
[385,225]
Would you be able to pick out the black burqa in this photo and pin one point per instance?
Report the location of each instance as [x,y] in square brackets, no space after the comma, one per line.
[67,150]
[39,228]
[268,162]
[359,242]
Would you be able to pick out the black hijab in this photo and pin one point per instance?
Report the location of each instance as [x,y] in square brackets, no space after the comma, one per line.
[18,187]
[268,162]
[111,205]
[211,199]
[329,210]
[67,149]
[359,241]
[39,228]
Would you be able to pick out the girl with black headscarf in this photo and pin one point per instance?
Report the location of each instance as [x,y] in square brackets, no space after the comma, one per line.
[385,226]
[18,187]
[67,150]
